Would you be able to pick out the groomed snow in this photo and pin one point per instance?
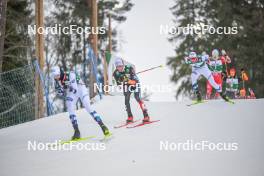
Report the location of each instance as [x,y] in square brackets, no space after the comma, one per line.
[136,151]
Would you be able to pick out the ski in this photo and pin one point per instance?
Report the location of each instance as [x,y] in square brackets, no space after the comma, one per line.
[125,124]
[230,101]
[143,123]
[199,102]
[107,138]
[62,142]
[76,140]
[196,102]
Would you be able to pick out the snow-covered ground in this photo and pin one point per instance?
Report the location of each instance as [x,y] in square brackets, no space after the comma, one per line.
[137,151]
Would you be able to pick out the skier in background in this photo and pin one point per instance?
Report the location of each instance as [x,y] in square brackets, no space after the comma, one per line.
[217,64]
[125,75]
[232,84]
[251,94]
[70,86]
[244,79]
[227,60]
[199,67]
[225,72]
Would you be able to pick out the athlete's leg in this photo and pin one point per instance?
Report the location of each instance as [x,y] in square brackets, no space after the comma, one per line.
[209,89]
[85,98]
[137,94]
[127,95]
[194,76]
[208,75]
[70,103]
[218,80]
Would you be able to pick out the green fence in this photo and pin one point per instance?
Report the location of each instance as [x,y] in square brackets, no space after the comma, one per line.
[17,96]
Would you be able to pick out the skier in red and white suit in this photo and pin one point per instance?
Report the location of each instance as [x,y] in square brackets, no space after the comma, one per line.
[217,65]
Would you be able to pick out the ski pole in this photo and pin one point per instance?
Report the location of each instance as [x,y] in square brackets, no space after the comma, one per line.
[160,66]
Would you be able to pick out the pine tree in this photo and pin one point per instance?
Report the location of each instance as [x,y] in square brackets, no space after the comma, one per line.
[17,41]
[71,49]
[245,48]
[185,12]
[3,5]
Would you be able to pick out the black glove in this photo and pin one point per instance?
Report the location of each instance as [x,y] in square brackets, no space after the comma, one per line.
[60,91]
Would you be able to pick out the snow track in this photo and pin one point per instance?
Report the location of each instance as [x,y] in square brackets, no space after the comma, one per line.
[137,151]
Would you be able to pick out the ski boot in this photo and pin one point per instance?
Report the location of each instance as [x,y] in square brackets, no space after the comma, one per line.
[208,96]
[223,95]
[77,133]
[146,119]
[105,130]
[198,96]
[129,119]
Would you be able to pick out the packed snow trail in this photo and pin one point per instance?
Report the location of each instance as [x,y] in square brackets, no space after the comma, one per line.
[136,152]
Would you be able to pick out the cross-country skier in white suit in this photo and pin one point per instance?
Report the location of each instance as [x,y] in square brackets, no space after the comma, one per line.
[70,86]
[199,67]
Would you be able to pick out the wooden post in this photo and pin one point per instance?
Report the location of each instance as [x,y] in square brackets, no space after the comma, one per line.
[109,50]
[40,57]
[94,24]
[105,74]
[109,33]
[94,42]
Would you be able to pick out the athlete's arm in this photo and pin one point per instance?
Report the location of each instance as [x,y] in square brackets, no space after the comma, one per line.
[117,77]
[132,73]
[73,82]
[187,60]
[59,88]
[227,59]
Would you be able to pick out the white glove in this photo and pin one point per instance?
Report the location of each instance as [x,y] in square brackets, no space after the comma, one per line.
[66,83]
[186,59]
[205,57]
[223,52]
